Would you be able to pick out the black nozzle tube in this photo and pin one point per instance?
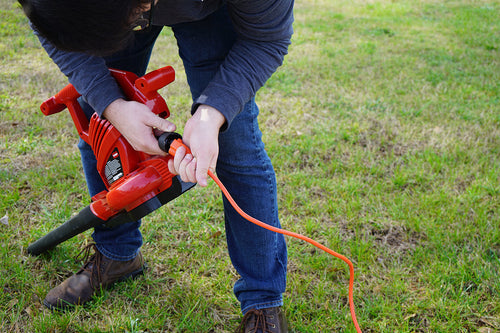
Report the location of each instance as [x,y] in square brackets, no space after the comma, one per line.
[79,223]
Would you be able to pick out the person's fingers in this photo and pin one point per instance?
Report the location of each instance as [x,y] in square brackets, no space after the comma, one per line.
[201,172]
[150,145]
[191,170]
[159,123]
[171,167]
[179,156]
[184,168]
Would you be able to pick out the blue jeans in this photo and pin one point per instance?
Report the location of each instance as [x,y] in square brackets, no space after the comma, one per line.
[258,255]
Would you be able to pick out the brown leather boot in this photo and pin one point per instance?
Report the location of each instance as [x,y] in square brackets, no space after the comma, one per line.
[98,272]
[270,320]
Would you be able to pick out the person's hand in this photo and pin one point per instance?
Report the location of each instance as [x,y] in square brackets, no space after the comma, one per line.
[201,136]
[138,125]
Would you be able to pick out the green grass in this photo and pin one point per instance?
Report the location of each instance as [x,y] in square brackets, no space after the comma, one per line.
[384,128]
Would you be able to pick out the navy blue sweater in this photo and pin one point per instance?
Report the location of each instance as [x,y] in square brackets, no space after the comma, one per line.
[264,29]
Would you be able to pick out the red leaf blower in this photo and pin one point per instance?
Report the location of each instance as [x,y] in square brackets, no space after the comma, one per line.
[136,183]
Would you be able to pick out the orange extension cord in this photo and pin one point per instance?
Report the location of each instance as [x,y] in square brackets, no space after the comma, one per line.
[299,236]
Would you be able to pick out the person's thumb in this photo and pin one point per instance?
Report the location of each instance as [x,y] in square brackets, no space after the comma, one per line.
[201,174]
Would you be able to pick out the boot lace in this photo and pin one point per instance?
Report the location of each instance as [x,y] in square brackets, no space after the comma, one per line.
[92,263]
[260,319]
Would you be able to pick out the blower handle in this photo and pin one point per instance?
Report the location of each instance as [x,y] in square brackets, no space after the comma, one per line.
[140,89]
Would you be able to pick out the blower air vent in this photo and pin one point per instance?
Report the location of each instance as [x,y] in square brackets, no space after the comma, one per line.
[115,156]
[98,129]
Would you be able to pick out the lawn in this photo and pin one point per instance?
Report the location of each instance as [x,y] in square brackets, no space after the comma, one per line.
[383,125]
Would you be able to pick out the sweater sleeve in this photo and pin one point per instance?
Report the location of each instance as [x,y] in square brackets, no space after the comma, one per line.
[264,29]
[88,74]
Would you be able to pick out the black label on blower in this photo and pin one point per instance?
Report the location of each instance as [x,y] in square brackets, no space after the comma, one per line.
[113,170]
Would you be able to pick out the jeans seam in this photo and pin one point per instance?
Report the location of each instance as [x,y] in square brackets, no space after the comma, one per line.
[270,188]
[263,157]
[264,305]
[111,256]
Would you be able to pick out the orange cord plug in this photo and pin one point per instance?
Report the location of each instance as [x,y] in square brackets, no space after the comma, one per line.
[295,235]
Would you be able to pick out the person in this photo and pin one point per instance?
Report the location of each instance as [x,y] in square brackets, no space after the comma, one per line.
[229,49]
